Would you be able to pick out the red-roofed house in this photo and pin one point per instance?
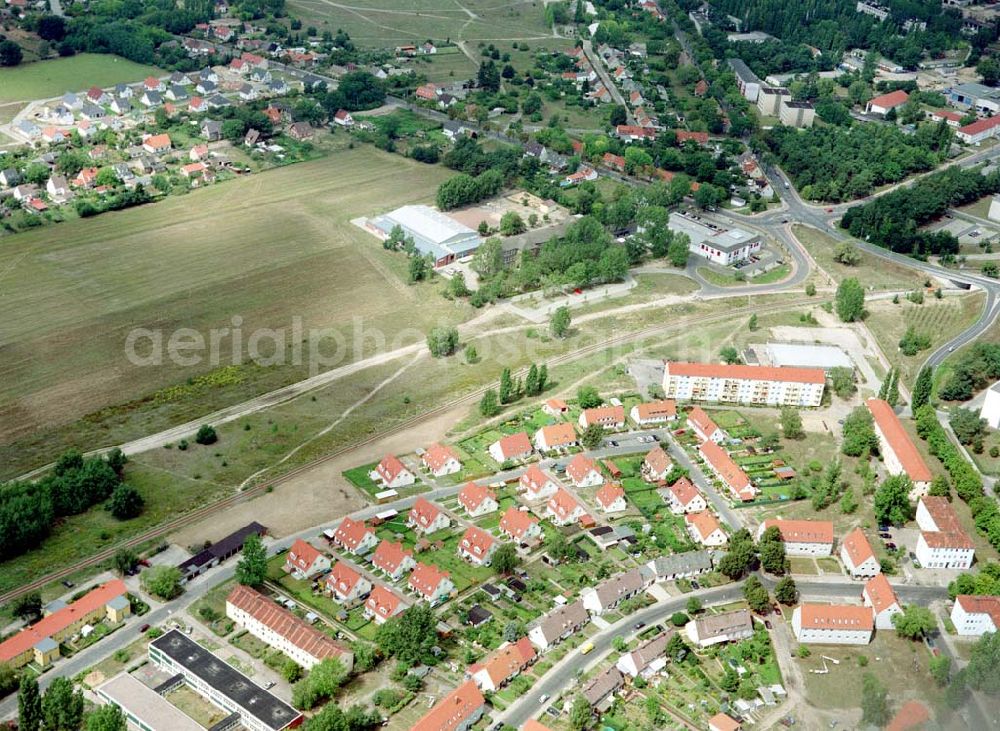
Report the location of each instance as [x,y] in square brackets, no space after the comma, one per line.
[898,451]
[382,604]
[580,176]
[730,473]
[974,616]
[802,537]
[478,500]
[519,525]
[653,412]
[440,460]
[355,537]
[153,84]
[720,721]
[582,472]
[477,546]
[503,665]
[704,427]
[978,131]
[610,417]
[744,384]
[942,543]
[193,170]
[611,498]
[536,484]
[393,559]
[857,554]
[392,473]
[39,643]
[554,437]
[198,152]
[427,92]
[684,136]
[657,465]
[346,585]
[343,118]
[615,162]
[705,529]
[701,88]
[881,105]
[684,497]
[511,447]
[430,583]
[952,119]
[426,517]
[633,133]
[304,561]
[281,629]
[555,407]
[880,596]
[833,624]
[157,144]
[563,509]
[457,711]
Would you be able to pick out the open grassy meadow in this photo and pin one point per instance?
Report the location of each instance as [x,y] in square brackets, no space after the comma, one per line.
[44,79]
[871,272]
[274,250]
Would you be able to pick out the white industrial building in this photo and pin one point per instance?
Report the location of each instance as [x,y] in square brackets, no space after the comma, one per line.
[718,245]
[991,405]
[433,232]
[743,384]
[798,355]
[833,624]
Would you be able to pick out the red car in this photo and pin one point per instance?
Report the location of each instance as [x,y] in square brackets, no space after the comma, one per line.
[829,210]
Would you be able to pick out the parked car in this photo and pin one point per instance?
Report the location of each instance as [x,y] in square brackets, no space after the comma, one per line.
[143,628]
[544,697]
[638,625]
[767,623]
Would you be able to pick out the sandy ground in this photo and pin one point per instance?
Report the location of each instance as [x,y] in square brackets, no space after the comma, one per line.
[320,494]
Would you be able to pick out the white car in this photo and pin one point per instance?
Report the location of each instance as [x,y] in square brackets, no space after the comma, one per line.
[542,698]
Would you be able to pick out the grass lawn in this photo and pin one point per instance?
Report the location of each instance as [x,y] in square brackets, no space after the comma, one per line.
[215,601]
[195,706]
[803,565]
[53,77]
[871,272]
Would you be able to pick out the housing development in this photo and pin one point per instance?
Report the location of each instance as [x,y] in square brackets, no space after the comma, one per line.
[499,366]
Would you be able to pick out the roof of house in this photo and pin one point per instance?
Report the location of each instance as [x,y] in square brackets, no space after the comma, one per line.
[890,100]
[981,605]
[746,372]
[285,624]
[947,539]
[579,467]
[608,494]
[603,685]
[557,404]
[732,474]
[426,578]
[836,617]
[515,445]
[802,531]
[303,555]
[533,725]
[681,563]
[726,623]
[535,476]
[980,125]
[28,637]
[383,601]
[658,460]
[157,141]
[653,409]
[722,722]
[622,585]
[561,619]
[390,467]
[880,593]
[704,522]
[949,533]
[563,504]
[559,435]
[351,532]
[472,495]
[437,456]
[612,160]
[342,578]
[650,650]
[424,512]
[476,541]
[697,417]
[899,441]
[684,135]
[684,491]
[507,660]
[388,555]
[857,546]
[516,522]
[946,114]
[604,414]
[452,710]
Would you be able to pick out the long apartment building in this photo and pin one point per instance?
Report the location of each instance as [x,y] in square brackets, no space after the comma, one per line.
[833,624]
[942,544]
[898,451]
[802,537]
[743,384]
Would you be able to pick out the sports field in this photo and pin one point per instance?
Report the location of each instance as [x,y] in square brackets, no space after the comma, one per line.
[45,79]
[395,22]
[266,248]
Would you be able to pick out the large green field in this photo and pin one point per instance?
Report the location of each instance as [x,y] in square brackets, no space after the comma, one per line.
[44,79]
[395,22]
[273,249]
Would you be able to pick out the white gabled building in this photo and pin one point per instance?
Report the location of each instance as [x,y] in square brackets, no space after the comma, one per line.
[702,424]
[564,509]
[880,596]
[646,660]
[537,485]
[477,500]
[657,465]
[611,498]
[555,437]
[714,629]
[684,497]
[898,451]
[477,546]
[858,557]
[440,460]
[705,529]
[426,517]
[833,624]
[583,472]
[974,616]
[744,384]
[653,412]
[802,537]
[392,473]
[942,543]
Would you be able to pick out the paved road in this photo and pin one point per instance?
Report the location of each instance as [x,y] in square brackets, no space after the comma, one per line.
[598,63]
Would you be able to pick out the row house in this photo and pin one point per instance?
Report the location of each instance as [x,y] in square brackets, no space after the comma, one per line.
[610,593]
[502,665]
[559,624]
[704,427]
[730,473]
[898,451]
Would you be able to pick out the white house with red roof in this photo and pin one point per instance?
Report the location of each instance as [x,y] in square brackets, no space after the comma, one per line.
[346,585]
[563,509]
[392,559]
[723,722]
[882,105]
[556,437]
[683,497]
[440,460]
[555,407]
[430,583]
[704,528]
[858,557]
[503,664]
[942,543]
[833,624]
[899,453]
[151,83]
[802,537]
[974,616]
[519,525]
[392,473]
[477,546]
[731,474]
[457,711]
[536,484]
[157,144]
[881,597]
[610,417]
[657,465]
[355,537]
[382,604]
[426,517]
[611,498]
[477,500]
[583,472]
[343,118]
[510,448]
[653,412]
[304,561]
[703,425]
